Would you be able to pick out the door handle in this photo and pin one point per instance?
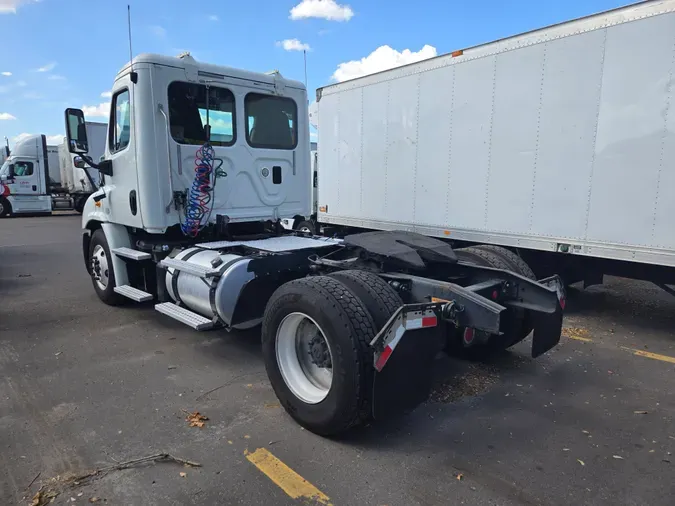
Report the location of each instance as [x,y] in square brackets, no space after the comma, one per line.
[34,188]
[276,174]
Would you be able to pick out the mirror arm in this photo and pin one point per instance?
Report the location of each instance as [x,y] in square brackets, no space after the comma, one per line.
[89,160]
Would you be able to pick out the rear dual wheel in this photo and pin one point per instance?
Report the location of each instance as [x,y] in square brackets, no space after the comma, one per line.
[316,346]
[517,323]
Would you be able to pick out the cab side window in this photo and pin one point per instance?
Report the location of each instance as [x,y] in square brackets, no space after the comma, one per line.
[120,122]
[23,168]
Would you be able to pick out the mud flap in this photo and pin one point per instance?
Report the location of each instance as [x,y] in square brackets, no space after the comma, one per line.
[406,380]
[548,326]
[405,349]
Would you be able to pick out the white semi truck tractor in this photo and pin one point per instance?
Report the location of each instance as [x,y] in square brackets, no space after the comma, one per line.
[30,179]
[201,165]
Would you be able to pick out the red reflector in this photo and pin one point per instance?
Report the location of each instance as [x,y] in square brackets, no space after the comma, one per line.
[429,321]
[562,304]
[495,294]
[469,334]
[382,360]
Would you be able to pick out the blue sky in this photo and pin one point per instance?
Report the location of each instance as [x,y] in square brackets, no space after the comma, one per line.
[65,53]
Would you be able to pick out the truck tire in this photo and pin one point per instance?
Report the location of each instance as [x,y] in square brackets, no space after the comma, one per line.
[518,265]
[79,204]
[518,326]
[329,389]
[379,298]
[5,208]
[307,226]
[102,271]
[521,267]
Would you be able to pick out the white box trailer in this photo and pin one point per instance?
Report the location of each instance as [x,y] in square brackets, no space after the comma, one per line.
[80,183]
[560,140]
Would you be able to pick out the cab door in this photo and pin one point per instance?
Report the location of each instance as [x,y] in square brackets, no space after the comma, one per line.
[26,178]
[121,187]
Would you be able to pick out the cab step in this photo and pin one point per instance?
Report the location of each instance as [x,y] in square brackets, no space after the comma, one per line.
[133,254]
[183,315]
[189,268]
[133,293]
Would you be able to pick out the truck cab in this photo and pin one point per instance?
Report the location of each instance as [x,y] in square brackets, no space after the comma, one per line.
[163,112]
[25,178]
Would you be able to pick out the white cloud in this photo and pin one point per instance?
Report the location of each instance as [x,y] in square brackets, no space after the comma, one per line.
[100,110]
[106,94]
[158,31]
[31,95]
[213,17]
[56,77]
[383,58]
[10,6]
[51,139]
[293,45]
[323,9]
[6,116]
[6,74]
[47,68]
[55,139]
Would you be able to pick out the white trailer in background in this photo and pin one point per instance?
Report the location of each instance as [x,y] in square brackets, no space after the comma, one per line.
[82,182]
[558,143]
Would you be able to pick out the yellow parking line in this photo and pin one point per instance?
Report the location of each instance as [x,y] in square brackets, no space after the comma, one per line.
[285,478]
[648,354]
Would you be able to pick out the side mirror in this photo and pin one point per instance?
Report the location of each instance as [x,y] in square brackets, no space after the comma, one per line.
[79,162]
[7,152]
[76,131]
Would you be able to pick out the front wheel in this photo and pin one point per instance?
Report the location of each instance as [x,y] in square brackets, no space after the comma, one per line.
[102,270]
[5,208]
[315,340]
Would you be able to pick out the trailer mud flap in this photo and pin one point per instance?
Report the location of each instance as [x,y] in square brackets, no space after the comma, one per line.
[548,326]
[404,352]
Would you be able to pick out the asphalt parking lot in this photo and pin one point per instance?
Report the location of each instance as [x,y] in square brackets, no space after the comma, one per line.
[84,387]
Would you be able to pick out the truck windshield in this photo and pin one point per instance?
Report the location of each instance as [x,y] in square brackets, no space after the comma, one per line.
[187,114]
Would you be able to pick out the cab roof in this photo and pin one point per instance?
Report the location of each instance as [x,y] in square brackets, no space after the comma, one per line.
[186,60]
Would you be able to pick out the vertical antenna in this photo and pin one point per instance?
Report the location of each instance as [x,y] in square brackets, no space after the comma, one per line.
[131,54]
[304,54]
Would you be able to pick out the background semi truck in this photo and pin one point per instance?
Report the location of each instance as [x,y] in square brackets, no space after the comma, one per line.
[558,144]
[37,178]
[203,242]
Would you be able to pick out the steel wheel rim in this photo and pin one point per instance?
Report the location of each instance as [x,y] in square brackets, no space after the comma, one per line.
[99,267]
[305,229]
[308,381]
[2,208]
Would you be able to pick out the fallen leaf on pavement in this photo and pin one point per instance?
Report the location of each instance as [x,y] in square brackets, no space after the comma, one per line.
[581,462]
[183,475]
[460,476]
[94,499]
[618,457]
[566,449]
[640,412]
[196,419]
[585,432]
